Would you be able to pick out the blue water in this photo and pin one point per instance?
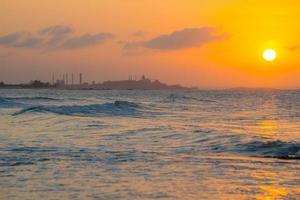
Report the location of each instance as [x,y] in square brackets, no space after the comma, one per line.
[60,144]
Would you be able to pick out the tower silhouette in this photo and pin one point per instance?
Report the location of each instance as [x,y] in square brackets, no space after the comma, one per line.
[80,79]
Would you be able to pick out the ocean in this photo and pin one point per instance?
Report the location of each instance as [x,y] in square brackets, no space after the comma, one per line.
[189,145]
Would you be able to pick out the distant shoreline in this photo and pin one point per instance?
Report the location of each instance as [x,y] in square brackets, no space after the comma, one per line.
[54,88]
[166,89]
[142,84]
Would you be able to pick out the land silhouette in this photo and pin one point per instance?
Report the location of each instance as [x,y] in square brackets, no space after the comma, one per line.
[130,84]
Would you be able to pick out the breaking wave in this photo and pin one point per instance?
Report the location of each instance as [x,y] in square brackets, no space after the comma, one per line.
[274,149]
[117,108]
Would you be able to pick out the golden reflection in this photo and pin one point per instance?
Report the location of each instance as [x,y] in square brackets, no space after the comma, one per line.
[268,127]
[273,190]
[272,193]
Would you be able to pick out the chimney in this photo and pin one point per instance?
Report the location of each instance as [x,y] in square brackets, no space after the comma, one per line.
[52,79]
[80,79]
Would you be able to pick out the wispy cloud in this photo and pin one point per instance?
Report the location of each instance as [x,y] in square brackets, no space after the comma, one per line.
[57,30]
[138,34]
[54,38]
[182,39]
[56,35]
[12,38]
[293,48]
[28,41]
[86,40]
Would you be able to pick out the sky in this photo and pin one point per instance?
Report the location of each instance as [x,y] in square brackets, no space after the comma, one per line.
[208,44]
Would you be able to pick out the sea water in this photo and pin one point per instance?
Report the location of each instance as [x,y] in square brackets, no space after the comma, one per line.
[71,144]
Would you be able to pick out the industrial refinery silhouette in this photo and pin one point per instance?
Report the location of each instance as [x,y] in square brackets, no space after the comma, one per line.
[68,82]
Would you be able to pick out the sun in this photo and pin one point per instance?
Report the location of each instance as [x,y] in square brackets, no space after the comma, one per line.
[269,55]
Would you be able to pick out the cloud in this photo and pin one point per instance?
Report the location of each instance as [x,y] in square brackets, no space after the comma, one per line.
[138,34]
[57,30]
[11,38]
[57,34]
[294,48]
[20,39]
[86,40]
[182,39]
[53,38]
[28,41]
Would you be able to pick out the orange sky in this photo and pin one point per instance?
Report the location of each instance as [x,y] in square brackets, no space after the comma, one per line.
[112,39]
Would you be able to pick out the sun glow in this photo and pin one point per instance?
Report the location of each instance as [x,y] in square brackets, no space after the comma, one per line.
[269,55]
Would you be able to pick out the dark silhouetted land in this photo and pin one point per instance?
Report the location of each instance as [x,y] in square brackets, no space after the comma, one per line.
[142,84]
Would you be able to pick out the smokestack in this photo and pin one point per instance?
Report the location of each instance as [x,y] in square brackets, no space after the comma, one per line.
[72,79]
[67,79]
[80,79]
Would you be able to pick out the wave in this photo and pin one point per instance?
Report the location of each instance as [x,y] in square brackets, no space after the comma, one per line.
[175,97]
[274,149]
[181,97]
[20,156]
[31,98]
[6,103]
[117,108]
[10,102]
